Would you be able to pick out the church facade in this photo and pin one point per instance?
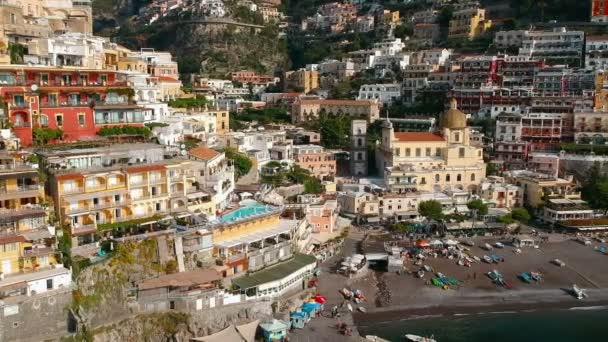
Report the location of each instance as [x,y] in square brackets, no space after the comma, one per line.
[431,161]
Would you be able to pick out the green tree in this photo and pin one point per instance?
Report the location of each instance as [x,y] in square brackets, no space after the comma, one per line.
[521,215]
[482,208]
[42,136]
[242,163]
[506,219]
[313,186]
[432,210]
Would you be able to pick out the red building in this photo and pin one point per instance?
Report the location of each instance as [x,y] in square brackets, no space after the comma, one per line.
[599,10]
[77,101]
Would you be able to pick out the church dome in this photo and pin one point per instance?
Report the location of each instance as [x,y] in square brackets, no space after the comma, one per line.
[454,118]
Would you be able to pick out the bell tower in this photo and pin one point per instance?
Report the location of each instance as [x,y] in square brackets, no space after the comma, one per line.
[358,148]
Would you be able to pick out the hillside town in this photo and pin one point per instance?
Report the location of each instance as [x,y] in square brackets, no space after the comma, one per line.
[142,202]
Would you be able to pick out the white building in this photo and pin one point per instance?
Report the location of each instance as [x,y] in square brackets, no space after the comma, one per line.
[69,49]
[390,47]
[386,94]
[213,8]
[433,56]
[216,174]
[558,46]
[148,94]
[596,49]
[509,39]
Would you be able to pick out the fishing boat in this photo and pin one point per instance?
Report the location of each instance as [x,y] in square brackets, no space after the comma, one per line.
[416,338]
[487,247]
[578,292]
[496,258]
[420,274]
[559,262]
[487,259]
[427,268]
[362,309]
[476,258]
[526,277]
[535,276]
[499,245]
[375,338]
[350,307]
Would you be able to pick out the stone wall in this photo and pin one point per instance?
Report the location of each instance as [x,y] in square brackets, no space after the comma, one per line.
[37,318]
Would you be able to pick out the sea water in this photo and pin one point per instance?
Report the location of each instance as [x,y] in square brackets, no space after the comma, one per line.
[569,325]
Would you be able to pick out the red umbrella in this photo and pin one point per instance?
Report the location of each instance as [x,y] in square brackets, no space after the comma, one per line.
[423,243]
[320,299]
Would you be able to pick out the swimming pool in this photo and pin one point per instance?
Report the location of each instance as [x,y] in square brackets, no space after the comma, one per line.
[246,211]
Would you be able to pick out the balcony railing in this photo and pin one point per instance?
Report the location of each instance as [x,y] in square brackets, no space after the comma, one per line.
[159,180]
[84,229]
[75,190]
[19,189]
[65,104]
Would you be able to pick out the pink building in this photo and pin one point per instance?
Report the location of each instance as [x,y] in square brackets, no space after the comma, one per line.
[324,216]
[313,158]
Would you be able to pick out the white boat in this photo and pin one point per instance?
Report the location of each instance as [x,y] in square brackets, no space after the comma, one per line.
[362,309]
[559,262]
[578,292]
[487,259]
[375,338]
[499,245]
[420,274]
[487,247]
[416,338]
[350,307]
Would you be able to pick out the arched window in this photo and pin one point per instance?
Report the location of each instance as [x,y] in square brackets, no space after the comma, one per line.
[447,178]
[458,178]
[437,178]
[359,142]
[472,177]
[43,120]
[456,136]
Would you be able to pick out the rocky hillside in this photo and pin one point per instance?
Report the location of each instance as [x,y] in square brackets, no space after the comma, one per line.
[213,49]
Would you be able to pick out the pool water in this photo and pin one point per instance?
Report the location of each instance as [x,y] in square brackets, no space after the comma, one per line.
[244,212]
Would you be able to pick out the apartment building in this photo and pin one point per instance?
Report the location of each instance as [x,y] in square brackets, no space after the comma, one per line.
[315,159]
[591,127]
[508,145]
[301,80]
[595,56]
[80,102]
[148,94]
[537,187]
[262,146]
[245,76]
[386,94]
[308,109]
[469,23]
[426,161]
[323,217]
[558,46]
[133,190]
[500,194]
[215,174]
[69,49]
[558,210]
[52,18]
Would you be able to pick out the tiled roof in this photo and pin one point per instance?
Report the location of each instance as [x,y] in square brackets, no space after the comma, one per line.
[204,153]
[167,79]
[418,136]
[338,102]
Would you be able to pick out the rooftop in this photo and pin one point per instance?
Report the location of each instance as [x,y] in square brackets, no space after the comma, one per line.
[203,153]
[274,273]
[337,102]
[418,136]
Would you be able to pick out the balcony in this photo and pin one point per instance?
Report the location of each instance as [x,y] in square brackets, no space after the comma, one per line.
[177,178]
[23,191]
[160,180]
[64,104]
[83,229]
[75,190]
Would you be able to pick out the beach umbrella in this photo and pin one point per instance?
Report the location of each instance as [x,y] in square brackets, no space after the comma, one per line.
[423,243]
[320,299]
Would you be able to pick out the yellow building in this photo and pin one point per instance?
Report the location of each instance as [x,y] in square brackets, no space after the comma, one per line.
[132,64]
[302,80]
[91,201]
[23,220]
[469,23]
[601,92]
[426,161]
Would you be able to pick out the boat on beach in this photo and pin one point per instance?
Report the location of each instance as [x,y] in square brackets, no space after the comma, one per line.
[578,292]
[487,246]
[375,338]
[416,338]
[487,259]
[420,274]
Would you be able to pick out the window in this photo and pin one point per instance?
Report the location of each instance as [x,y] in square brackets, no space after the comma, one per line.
[447,178]
[428,151]
[59,119]
[359,142]
[49,284]
[461,152]
[423,181]
[158,208]
[418,152]
[117,213]
[437,178]
[459,178]
[472,177]
[407,152]
[81,118]
[456,136]
[438,152]
[398,152]
[43,120]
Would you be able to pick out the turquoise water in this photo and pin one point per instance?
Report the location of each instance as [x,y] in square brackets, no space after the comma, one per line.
[244,212]
[553,326]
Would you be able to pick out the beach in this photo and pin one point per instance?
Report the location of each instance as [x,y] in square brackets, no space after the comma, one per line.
[393,297]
